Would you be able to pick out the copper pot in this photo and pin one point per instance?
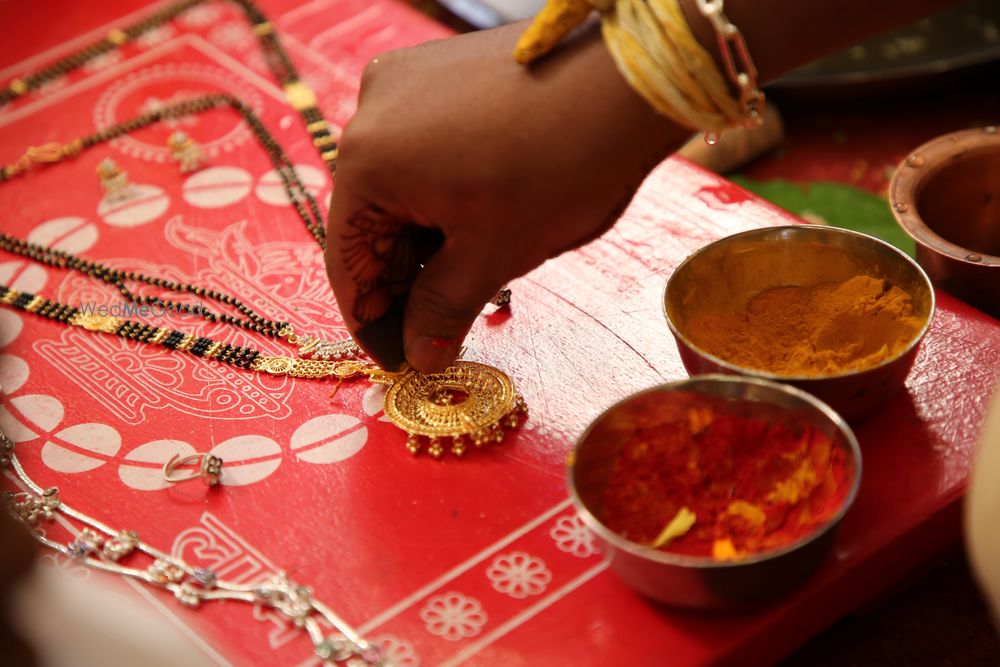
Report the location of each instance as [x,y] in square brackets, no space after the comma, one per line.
[946,195]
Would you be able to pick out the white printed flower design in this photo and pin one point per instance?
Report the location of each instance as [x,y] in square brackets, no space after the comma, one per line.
[200,16]
[155,36]
[518,575]
[397,652]
[573,537]
[256,61]
[233,35]
[52,85]
[453,616]
[103,61]
[10,328]
[153,104]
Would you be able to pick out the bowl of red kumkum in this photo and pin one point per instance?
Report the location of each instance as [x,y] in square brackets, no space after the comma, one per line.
[837,313]
[716,492]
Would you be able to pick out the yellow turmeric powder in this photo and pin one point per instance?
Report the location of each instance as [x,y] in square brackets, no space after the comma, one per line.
[818,330]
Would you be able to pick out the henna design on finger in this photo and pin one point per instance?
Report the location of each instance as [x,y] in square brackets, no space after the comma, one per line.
[381,259]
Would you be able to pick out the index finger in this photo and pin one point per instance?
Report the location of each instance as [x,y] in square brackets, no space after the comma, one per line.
[372,259]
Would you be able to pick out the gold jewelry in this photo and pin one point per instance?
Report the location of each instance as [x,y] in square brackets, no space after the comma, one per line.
[318,359]
[114,180]
[186,151]
[209,468]
[466,402]
[303,200]
[300,96]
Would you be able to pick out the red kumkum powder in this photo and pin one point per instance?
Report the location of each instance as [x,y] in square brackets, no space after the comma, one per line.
[749,483]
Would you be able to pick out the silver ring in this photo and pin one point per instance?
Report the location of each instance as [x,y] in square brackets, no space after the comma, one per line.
[209,468]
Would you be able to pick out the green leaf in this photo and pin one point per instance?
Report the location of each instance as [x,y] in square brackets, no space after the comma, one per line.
[834,204]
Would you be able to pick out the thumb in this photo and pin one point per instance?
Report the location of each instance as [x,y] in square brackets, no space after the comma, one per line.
[447,296]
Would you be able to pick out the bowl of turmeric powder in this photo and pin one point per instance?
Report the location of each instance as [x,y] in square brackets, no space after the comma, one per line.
[717,492]
[837,313]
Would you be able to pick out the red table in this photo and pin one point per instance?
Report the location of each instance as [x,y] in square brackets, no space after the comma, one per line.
[477,561]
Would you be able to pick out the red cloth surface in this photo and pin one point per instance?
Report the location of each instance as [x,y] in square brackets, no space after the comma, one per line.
[478,560]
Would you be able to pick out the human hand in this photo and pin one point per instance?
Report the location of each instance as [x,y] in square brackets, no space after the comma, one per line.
[476,169]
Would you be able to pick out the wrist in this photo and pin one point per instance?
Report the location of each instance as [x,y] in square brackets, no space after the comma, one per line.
[655,135]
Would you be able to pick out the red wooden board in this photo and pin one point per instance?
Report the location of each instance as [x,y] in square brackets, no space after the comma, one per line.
[478,560]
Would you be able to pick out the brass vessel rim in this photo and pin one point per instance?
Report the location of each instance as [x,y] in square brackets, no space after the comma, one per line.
[908,181]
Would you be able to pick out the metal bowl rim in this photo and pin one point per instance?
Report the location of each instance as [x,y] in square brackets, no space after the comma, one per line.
[907,182]
[806,229]
[702,562]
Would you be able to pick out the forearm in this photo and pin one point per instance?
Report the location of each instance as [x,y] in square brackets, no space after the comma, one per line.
[511,165]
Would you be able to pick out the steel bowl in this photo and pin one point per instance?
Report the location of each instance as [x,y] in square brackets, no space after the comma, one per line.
[946,195]
[729,272]
[701,582]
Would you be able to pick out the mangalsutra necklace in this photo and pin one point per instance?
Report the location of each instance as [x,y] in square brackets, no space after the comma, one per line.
[100,547]
[299,95]
[305,205]
[468,403]
[433,410]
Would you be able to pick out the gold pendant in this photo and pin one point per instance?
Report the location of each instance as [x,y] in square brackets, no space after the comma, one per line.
[466,402]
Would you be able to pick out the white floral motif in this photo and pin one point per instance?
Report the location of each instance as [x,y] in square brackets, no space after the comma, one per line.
[518,575]
[573,537]
[233,35]
[146,82]
[10,328]
[199,17]
[397,652]
[155,36]
[153,104]
[453,616]
[54,84]
[255,61]
[103,61]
